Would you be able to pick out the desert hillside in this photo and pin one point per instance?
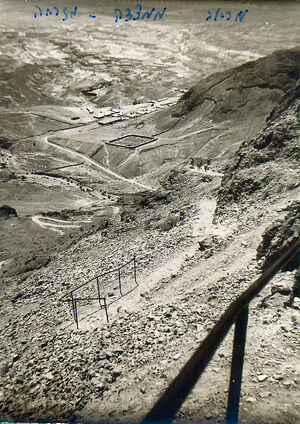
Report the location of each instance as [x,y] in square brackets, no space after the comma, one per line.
[205,194]
[63,170]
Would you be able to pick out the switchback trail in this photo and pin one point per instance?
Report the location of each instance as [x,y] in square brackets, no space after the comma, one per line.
[96,164]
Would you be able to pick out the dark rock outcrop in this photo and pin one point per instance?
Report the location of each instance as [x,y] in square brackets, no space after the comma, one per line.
[7,212]
[5,143]
[279,237]
[165,224]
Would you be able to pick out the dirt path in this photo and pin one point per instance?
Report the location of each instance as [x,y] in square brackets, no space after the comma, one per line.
[152,285]
[116,371]
[105,171]
[198,292]
[53,223]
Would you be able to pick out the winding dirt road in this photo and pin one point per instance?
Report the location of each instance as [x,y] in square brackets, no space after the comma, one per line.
[107,172]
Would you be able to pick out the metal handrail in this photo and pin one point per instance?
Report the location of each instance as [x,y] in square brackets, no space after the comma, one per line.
[171,400]
[69,296]
[97,276]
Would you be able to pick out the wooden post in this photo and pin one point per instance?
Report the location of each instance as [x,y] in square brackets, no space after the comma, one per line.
[105,306]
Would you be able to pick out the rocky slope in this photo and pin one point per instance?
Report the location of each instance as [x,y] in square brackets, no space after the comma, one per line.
[267,163]
[200,241]
[237,92]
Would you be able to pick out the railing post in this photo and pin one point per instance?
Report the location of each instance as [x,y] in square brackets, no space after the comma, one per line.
[74,307]
[98,287]
[71,304]
[237,362]
[120,282]
[76,313]
[134,269]
[105,306]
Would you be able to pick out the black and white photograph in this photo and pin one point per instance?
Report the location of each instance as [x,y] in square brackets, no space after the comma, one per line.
[149,211]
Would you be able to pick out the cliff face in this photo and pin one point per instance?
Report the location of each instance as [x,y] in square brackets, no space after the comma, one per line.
[263,177]
[244,91]
[279,236]
[266,166]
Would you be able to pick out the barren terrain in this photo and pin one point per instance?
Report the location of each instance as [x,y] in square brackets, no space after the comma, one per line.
[192,206]
[192,194]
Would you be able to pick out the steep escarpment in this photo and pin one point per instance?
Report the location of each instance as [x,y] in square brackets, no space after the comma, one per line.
[247,89]
[279,236]
[266,166]
[214,117]
[262,179]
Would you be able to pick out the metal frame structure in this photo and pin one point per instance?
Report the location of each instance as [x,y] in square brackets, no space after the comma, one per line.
[70,296]
[171,400]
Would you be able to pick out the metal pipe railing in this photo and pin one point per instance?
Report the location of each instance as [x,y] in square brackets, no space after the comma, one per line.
[98,276]
[171,400]
[69,296]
